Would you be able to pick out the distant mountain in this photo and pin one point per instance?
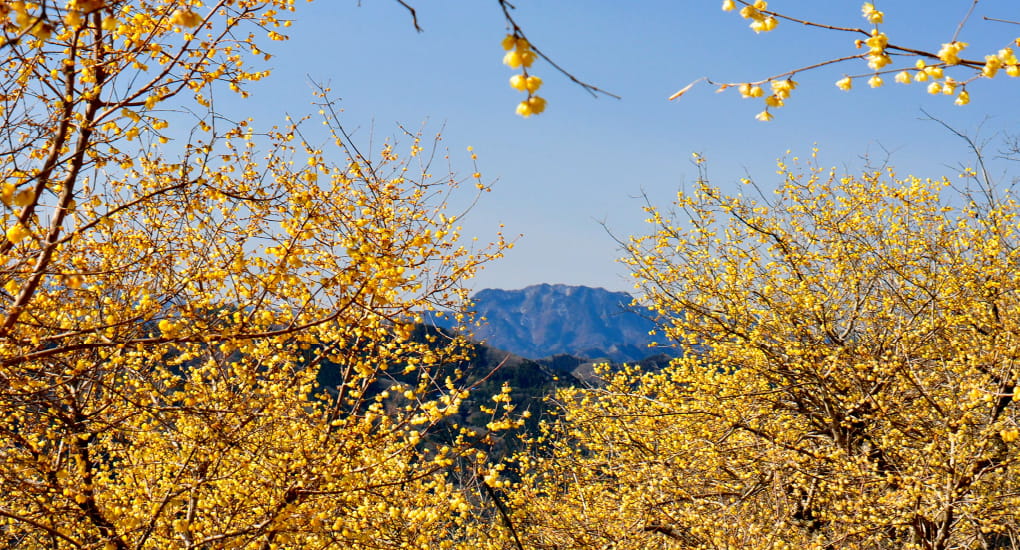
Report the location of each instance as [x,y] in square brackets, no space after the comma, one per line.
[546,320]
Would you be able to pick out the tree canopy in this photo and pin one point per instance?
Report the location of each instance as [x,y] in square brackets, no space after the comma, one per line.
[848,380]
[172,305]
[169,304]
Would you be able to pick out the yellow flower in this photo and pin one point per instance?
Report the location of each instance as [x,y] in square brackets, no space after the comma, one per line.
[73,19]
[537,104]
[509,41]
[24,197]
[782,88]
[518,82]
[42,30]
[992,66]
[7,193]
[17,233]
[1007,56]
[875,81]
[934,88]
[185,18]
[88,5]
[921,76]
[764,116]
[166,326]
[949,86]
[877,41]
[749,12]
[879,60]
[963,98]
[512,59]
[73,281]
[728,5]
[527,57]
[871,14]
[1013,70]
[533,83]
[764,25]
[524,109]
[950,53]
[844,83]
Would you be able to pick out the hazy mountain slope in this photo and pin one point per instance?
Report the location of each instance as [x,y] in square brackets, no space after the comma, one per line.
[544,320]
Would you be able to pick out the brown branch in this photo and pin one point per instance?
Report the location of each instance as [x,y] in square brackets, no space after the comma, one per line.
[414,15]
[517,31]
[52,160]
[503,514]
[997,20]
[52,531]
[67,193]
[683,534]
[807,23]
[971,63]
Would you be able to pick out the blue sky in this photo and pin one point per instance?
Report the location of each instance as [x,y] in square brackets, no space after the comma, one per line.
[587,161]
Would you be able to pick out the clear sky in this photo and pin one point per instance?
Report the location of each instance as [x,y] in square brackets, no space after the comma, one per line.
[585,161]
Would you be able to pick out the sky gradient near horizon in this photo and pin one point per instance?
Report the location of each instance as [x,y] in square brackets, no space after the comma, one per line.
[573,175]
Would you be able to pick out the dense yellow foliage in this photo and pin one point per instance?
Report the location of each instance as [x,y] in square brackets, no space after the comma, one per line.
[851,344]
[167,306]
[851,358]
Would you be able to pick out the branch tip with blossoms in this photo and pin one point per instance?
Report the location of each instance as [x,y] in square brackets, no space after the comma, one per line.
[931,66]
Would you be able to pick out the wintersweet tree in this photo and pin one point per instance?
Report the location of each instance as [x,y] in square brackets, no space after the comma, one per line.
[850,365]
[174,282]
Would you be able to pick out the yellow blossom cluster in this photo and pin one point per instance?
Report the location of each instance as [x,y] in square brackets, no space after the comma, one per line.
[519,54]
[871,14]
[780,89]
[185,18]
[931,65]
[950,52]
[877,56]
[934,73]
[761,20]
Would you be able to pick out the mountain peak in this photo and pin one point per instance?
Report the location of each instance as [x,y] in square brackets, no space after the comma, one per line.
[548,319]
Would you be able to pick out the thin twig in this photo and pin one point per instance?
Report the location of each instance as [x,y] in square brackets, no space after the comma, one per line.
[414,15]
[997,20]
[517,31]
[791,73]
[807,23]
[964,20]
[986,185]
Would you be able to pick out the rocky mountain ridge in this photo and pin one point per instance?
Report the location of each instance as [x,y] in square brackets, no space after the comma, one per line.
[544,320]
